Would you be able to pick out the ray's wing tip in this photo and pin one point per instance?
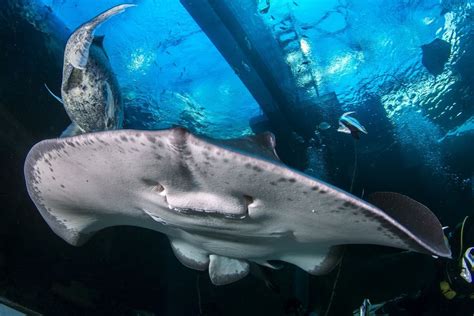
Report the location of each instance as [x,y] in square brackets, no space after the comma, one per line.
[31,178]
[443,250]
[421,227]
[76,239]
[433,247]
[33,155]
[447,254]
[437,245]
[28,173]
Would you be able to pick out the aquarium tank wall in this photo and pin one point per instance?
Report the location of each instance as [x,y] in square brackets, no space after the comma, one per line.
[302,157]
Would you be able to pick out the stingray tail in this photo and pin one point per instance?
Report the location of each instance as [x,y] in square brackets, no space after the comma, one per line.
[78,45]
[104,16]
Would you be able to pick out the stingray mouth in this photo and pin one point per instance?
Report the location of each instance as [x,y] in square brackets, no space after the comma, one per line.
[203,204]
[207,213]
[200,204]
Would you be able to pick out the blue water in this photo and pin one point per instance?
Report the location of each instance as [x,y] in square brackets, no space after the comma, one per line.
[157,46]
[171,73]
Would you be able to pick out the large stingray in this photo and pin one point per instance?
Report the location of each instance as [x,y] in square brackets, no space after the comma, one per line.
[222,204]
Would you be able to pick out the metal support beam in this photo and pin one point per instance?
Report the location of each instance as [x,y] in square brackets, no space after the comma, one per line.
[250,50]
[242,37]
[258,57]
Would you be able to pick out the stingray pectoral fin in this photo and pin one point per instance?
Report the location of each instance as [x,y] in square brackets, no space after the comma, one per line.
[76,191]
[316,260]
[74,228]
[72,130]
[189,255]
[224,270]
[426,231]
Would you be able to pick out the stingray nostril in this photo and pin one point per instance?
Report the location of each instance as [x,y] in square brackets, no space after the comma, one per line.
[159,188]
[248,200]
[155,186]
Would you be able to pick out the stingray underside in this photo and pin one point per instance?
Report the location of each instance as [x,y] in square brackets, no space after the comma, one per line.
[222,204]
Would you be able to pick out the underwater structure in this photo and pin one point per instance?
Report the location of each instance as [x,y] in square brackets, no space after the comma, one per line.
[291,104]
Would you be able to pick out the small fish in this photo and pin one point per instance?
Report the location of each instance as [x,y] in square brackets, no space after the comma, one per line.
[467,264]
[365,308]
[324,126]
[350,125]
